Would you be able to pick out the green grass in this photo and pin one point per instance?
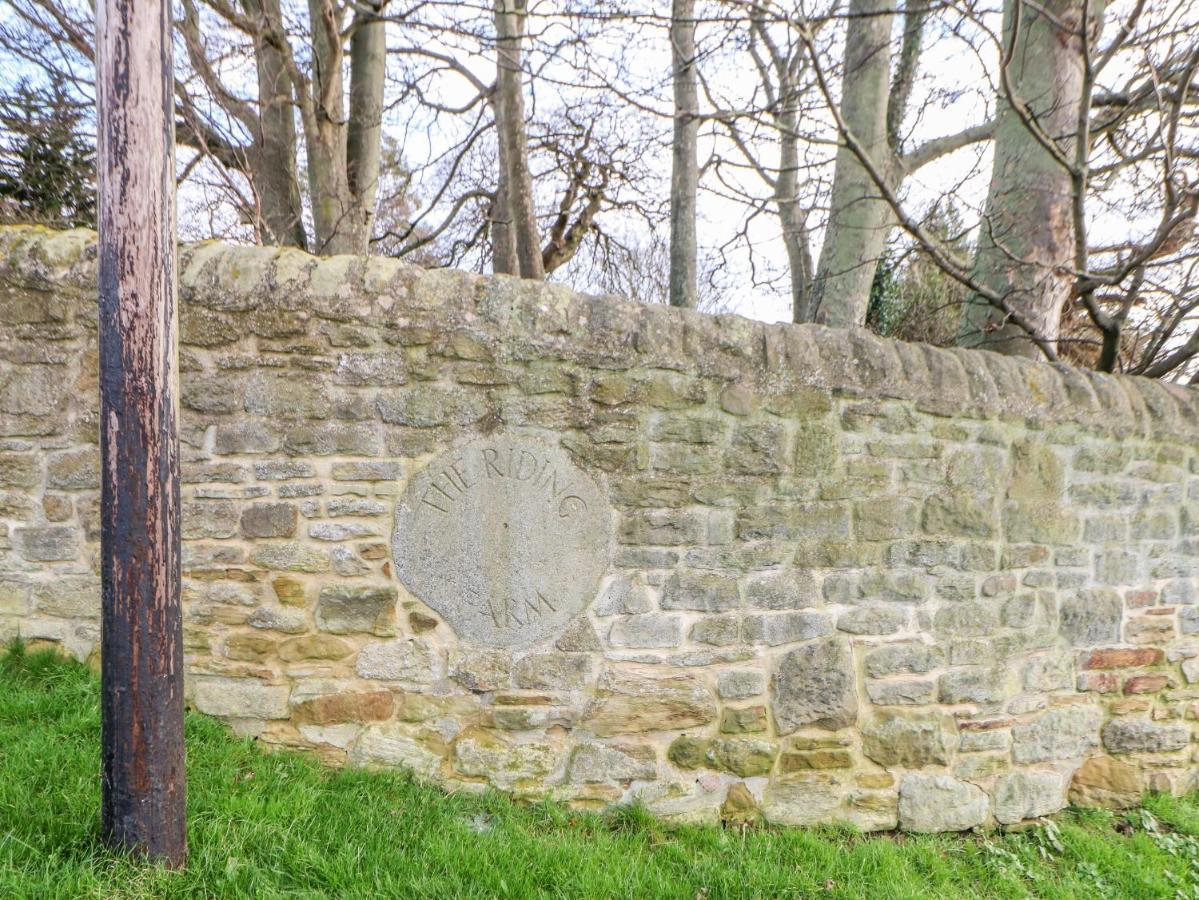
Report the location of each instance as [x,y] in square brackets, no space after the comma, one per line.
[281,825]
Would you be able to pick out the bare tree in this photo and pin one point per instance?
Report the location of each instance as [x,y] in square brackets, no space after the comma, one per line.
[684,173]
[1026,244]
[514,234]
[251,134]
[1078,150]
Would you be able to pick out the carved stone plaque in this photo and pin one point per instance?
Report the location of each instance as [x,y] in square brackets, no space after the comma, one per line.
[505,537]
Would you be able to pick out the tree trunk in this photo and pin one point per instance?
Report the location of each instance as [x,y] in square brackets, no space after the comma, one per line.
[791,212]
[325,138]
[272,156]
[503,238]
[364,142]
[1026,240]
[344,154]
[859,219]
[516,181]
[684,173]
[142,777]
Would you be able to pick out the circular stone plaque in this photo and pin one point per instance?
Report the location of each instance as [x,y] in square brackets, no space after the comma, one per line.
[505,537]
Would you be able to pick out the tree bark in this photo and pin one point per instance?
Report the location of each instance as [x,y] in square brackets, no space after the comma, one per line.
[1026,240]
[364,142]
[859,218]
[516,180]
[791,213]
[272,156]
[143,808]
[344,152]
[684,173]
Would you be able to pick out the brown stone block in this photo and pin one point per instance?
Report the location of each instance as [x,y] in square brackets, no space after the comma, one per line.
[332,709]
[1147,684]
[1122,658]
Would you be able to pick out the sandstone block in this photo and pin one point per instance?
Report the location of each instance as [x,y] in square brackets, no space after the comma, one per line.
[1106,782]
[350,706]
[774,629]
[48,543]
[1067,732]
[737,684]
[652,630]
[241,698]
[74,470]
[815,685]
[349,608]
[1028,795]
[910,740]
[628,703]
[1143,736]
[595,763]
[405,660]
[269,520]
[700,591]
[934,803]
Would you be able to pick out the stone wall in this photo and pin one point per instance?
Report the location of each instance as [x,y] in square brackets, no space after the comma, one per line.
[503,534]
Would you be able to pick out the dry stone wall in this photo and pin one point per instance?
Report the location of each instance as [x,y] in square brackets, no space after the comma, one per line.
[502,534]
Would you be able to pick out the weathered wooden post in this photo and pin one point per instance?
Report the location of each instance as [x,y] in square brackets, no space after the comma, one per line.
[143,782]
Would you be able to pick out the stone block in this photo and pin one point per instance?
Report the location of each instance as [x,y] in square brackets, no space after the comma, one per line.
[743,720]
[19,470]
[781,590]
[1143,736]
[1102,781]
[627,702]
[738,684]
[1066,732]
[424,406]
[505,764]
[775,629]
[935,803]
[269,520]
[1028,795]
[552,672]
[48,543]
[394,744]
[277,618]
[414,660]
[356,608]
[872,620]
[815,685]
[291,557]
[344,707]
[647,631]
[989,685]
[1091,617]
[241,698]
[623,596]
[74,470]
[903,659]
[314,647]
[596,763]
[910,740]
[700,591]
[208,519]
[69,596]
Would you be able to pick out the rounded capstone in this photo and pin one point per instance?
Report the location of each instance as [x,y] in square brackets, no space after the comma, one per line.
[505,537]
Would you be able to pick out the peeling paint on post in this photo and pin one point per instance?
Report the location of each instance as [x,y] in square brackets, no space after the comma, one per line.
[142,760]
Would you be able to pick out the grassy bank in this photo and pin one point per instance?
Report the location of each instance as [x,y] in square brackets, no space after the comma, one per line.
[280,825]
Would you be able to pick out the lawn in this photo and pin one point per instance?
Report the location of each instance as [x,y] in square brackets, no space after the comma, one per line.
[275,825]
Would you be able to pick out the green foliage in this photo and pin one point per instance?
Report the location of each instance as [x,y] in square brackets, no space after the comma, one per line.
[912,298]
[47,162]
[280,825]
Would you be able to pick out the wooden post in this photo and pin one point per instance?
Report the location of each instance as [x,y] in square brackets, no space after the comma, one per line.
[143,783]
